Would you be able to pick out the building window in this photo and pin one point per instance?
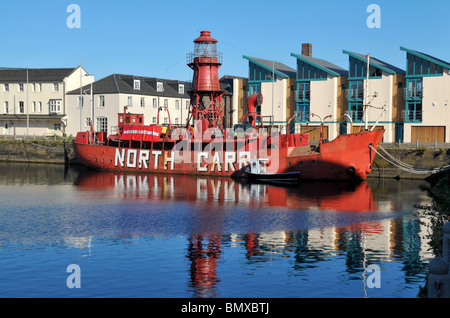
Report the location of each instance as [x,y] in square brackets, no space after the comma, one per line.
[180,89]
[6,109]
[101,101]
[166,103]
[33,87]
[187,104]
[20,87]
[80,101]
[165,120]
[177,121]
[39,87]
[304,91]
[154,120]
[303,111]
[57,126]
[356,111]
[21,107]
[6,88]
[102,124]
[55,106]
[413,111]
[137,84]
[88,121]
[155,103]
[56,87]
[142,101]
[40,107]
[130,101]
[159,87]
[414,88]
[254,88]
[356,91]
[34,107]
[177,104]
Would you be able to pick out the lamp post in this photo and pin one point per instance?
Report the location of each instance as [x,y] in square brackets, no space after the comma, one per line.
[91,122]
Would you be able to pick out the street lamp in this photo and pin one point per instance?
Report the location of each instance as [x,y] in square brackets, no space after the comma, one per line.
[91,122]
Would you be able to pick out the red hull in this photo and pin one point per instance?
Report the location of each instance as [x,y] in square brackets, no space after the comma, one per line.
[346,157]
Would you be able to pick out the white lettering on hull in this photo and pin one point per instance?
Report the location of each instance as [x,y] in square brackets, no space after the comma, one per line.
[205,161]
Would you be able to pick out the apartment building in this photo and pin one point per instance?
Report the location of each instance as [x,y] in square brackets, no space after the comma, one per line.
[276,82]
[425,117]
[34,101]
[235,99]
[161,101]
[381,88]
[318,95]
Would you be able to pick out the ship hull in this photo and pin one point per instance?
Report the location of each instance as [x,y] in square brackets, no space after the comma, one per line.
[346,157]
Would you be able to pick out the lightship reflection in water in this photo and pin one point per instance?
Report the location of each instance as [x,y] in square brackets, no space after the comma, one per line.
[181,236]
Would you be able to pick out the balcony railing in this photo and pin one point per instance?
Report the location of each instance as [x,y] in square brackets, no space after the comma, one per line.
[413,92]
[204,57]
[303,95]
[412,116]
[303,116]
[355,93]
[356,115]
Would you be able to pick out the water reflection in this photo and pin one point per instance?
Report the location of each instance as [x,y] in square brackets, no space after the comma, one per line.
[312,233]
[313,195]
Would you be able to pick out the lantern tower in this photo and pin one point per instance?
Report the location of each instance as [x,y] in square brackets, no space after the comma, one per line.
[206,96]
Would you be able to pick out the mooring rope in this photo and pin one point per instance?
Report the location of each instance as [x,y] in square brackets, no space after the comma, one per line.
[408,168]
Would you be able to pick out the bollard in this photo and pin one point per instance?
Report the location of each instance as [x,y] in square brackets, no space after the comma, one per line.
[438,279]
[439,274]
[446,242]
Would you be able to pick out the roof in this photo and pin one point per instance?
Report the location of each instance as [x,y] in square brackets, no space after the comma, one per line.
[124,84]
[389,68]
[279,68]
[427,57]
[322,64]
[34,74]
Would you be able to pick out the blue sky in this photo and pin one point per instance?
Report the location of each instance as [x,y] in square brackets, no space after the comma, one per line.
[151,38]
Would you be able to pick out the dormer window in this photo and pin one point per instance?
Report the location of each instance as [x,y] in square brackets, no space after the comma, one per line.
[180,89]
[137,84]
[159,87]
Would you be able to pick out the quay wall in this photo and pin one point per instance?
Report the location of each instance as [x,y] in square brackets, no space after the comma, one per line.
[62,153]
[32,152]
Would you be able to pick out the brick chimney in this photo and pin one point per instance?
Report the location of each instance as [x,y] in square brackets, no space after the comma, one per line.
[307,49]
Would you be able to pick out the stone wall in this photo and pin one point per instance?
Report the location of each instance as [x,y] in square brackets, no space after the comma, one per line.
[27,151]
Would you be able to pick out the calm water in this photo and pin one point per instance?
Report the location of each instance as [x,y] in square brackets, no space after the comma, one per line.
[135,235]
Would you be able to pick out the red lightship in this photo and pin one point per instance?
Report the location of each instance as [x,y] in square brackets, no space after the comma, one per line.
[203,147]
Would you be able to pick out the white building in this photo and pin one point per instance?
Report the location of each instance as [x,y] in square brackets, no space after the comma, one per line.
[318,95]
[141,95]
[382,89]
[425,116]
[34,101]
[276,82]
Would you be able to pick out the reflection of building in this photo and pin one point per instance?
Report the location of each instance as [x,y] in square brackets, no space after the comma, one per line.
[338,219]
